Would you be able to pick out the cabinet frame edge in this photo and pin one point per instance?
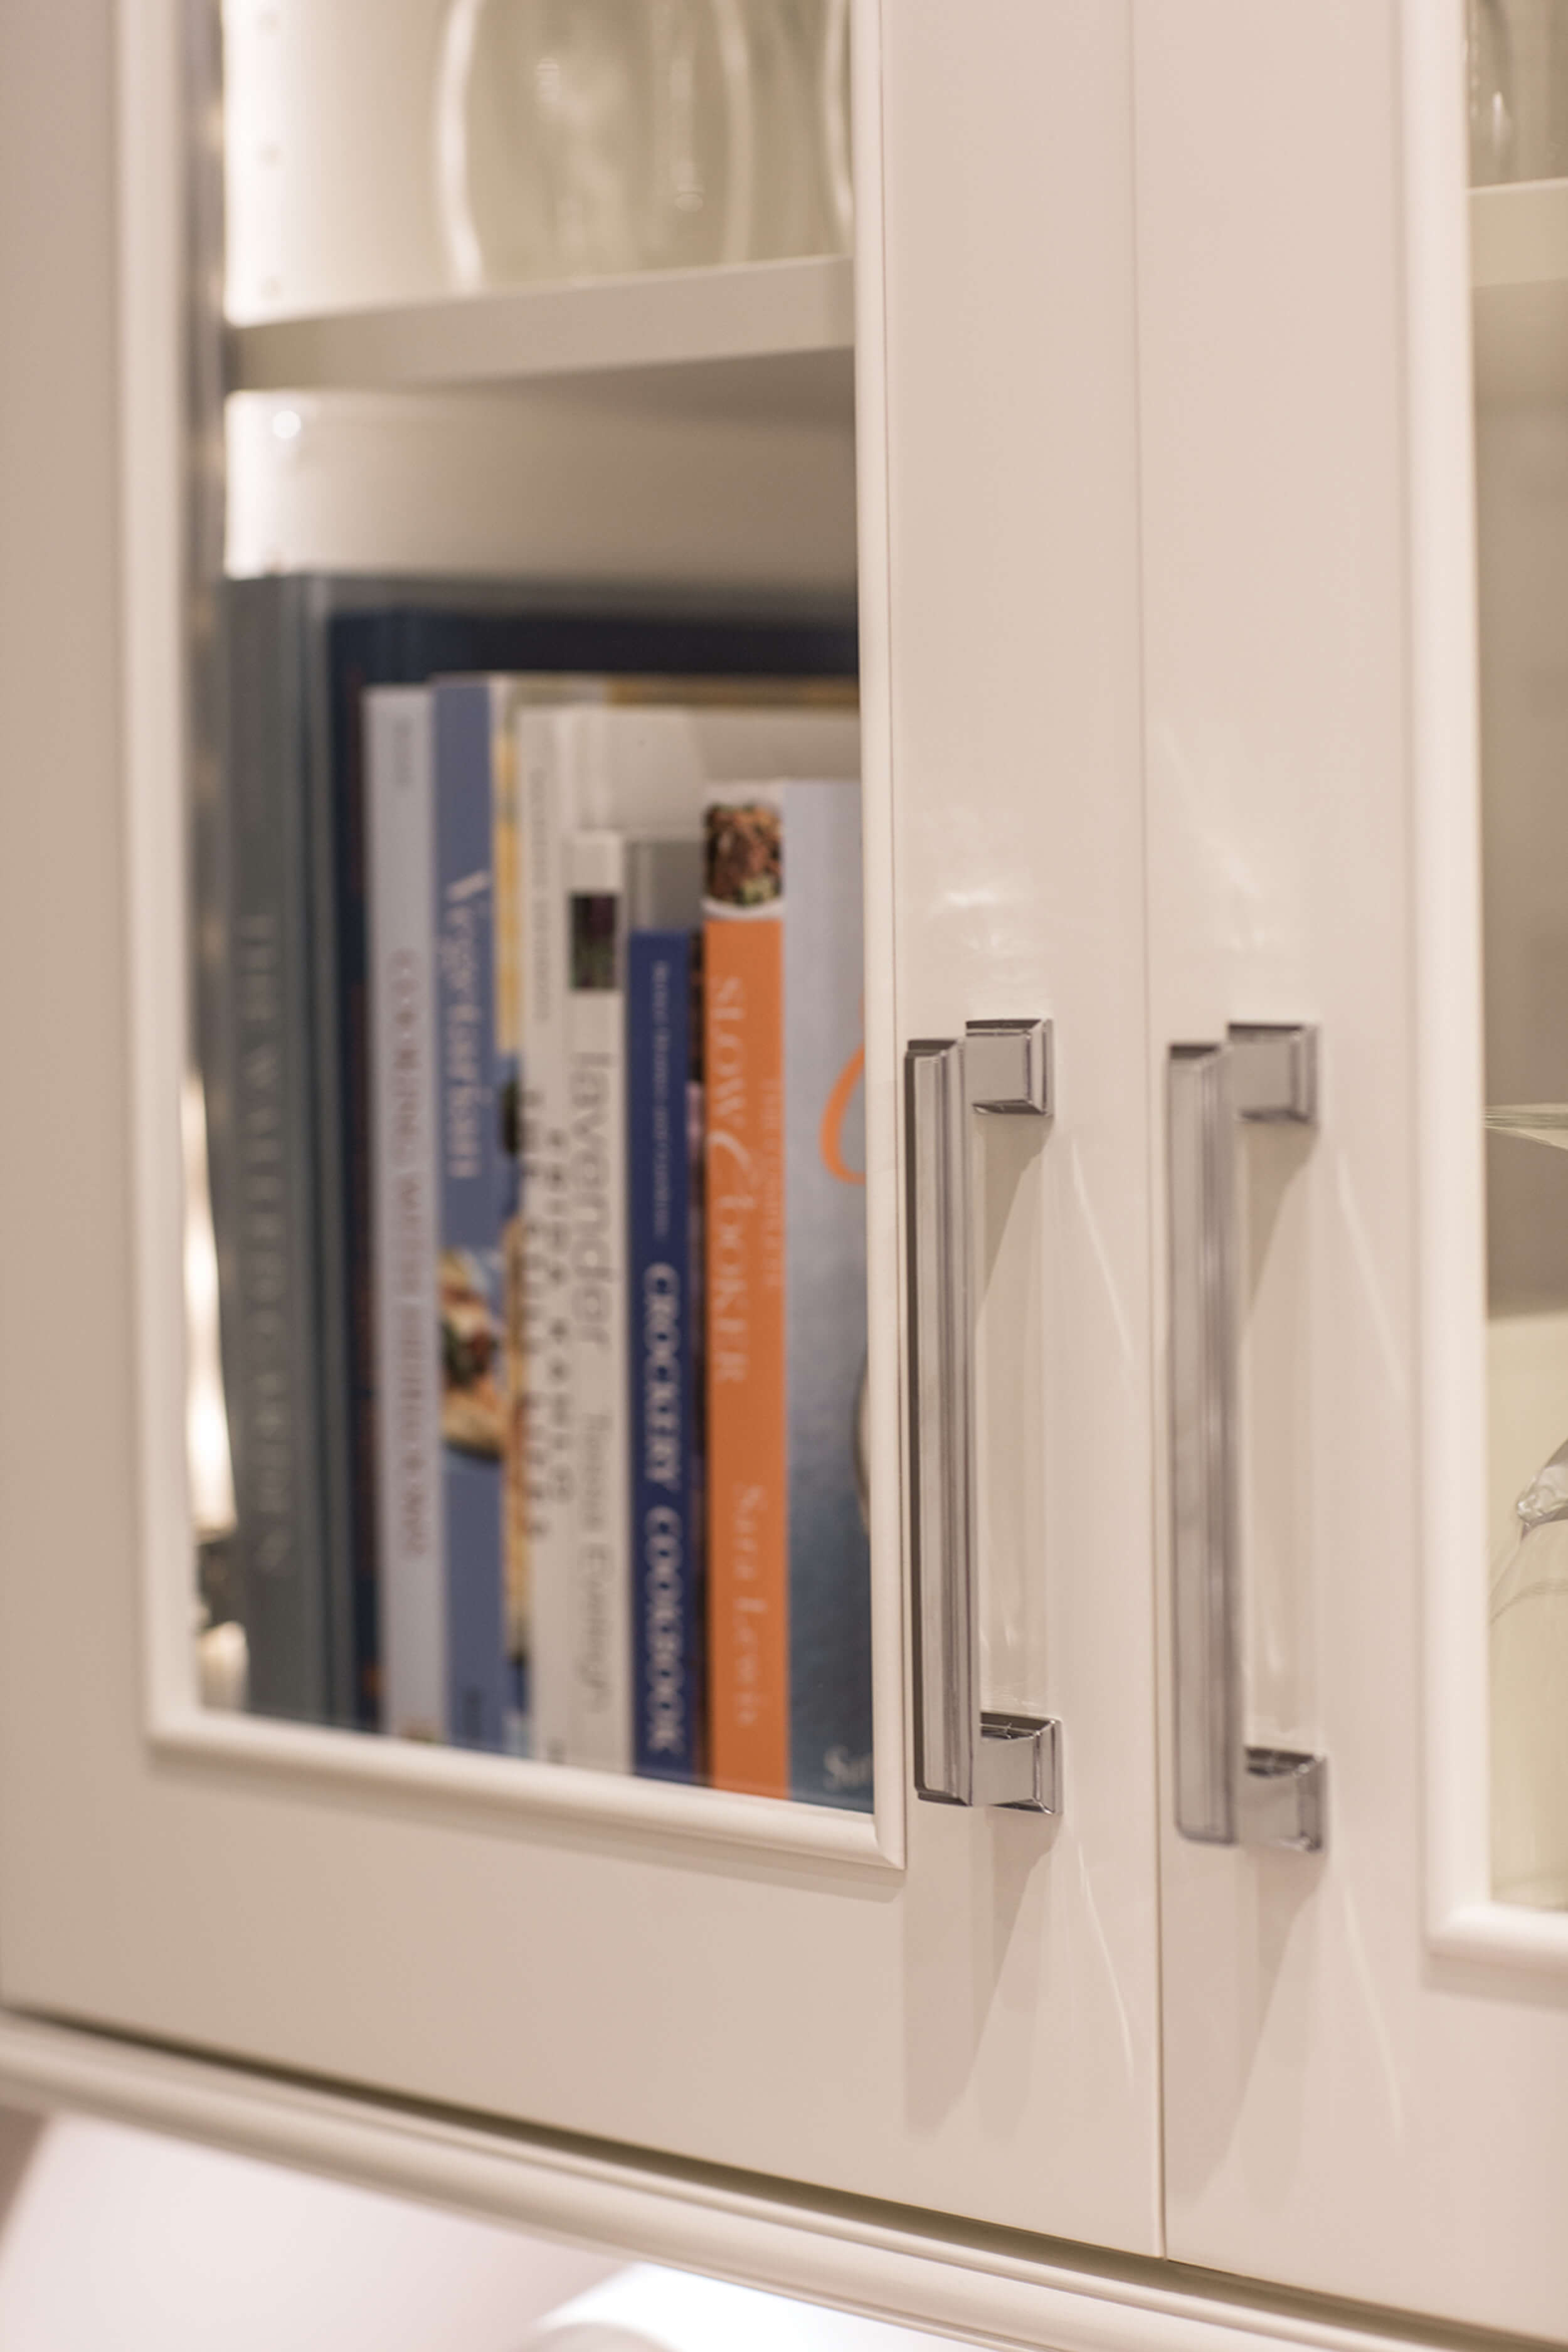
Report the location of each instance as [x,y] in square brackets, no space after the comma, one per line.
[985,2289]
[1463,1923]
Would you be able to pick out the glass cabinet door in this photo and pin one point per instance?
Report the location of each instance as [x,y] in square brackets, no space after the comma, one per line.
[607,675]
[1518,91]
[1346,464]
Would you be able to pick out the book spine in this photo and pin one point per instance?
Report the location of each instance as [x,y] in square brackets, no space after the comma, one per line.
[824,1131]
[400,814]
[472,1218]
[343,1089]
[663,1400]
[748,1594]
[601,1731]
[348,1534]
[505,820]
[547,1403]
[263,1170]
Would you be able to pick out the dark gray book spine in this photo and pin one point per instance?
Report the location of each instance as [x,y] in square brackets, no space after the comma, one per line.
[331,801]
[271,1336]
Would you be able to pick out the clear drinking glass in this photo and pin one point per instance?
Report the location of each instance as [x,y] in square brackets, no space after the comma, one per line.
[592,138]
[1517,72]
[790,212]
[833,77]
[1488,74]
[800,62]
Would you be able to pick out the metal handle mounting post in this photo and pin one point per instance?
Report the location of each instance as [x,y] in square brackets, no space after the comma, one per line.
[1227,1793]
[963,1756]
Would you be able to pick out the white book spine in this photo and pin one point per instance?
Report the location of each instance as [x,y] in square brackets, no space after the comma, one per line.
[399,793]
[548,1400]
[601,1585]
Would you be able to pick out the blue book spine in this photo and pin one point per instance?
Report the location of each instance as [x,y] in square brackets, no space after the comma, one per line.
[665,1390]
[475,1180]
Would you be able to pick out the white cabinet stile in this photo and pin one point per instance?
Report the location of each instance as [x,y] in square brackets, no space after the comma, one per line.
[1017,844]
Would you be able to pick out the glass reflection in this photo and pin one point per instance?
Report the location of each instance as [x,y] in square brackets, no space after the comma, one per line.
[1517,73]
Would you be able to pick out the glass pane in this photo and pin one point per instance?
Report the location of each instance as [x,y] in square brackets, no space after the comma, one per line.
[1518,90]
[525,1141]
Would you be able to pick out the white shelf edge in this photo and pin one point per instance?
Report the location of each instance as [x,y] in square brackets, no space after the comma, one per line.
[1518,234]
[519,1787]
[753,311]
[1519,292]
[978,2288]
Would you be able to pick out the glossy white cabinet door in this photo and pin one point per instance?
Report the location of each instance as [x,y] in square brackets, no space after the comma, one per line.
[1366,2067]
[951,2010]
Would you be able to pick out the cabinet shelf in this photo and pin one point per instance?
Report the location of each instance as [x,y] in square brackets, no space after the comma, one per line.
[771,339]
[1519,274]
[677,430]
[1519,235]
[1535,1122]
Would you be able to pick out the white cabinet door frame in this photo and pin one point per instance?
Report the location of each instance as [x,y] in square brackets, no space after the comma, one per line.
[945,2009]
[1367,2060]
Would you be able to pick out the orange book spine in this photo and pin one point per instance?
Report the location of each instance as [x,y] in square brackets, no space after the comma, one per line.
[748,1534]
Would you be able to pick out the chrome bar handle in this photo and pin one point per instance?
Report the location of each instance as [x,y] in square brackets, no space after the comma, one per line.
[1227,1793]
[963,1756]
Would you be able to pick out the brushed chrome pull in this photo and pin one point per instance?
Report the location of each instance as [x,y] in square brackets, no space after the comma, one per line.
[1227,1793]
[962,1755]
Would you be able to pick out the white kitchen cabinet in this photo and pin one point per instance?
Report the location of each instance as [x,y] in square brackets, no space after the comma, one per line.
[1365,2055]
[947,2007]
[1144,428]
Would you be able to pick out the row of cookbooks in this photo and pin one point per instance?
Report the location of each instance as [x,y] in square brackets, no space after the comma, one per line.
[530,1028]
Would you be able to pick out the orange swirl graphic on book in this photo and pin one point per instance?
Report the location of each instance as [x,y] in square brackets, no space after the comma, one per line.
[830,1135]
